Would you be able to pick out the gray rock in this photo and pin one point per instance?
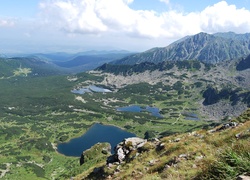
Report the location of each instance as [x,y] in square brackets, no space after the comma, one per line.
[136,142]
[124,148]
[238,135]
[177,139]
[152,162]
[228,125]
[199,157]
[156,139]
[243,177]
[110,165]
[120,154]
[183,156]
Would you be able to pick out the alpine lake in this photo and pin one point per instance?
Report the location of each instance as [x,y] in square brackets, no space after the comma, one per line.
[96,133]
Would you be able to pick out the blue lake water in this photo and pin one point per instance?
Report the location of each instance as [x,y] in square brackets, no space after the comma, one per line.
[91,88]
[98,89]
[80,91]
[135,108]
[191,116]
[96,133]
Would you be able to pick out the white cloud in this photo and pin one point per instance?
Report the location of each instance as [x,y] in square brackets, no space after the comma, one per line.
[116,16]
[6,23]
[128,1]
[165,1]
[224,17]
[73,16]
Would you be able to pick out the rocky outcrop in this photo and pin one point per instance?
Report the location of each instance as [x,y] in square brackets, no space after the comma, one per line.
[227,125]
[127,150]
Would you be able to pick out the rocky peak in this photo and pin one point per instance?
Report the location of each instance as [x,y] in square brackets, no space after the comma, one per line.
[204,47]
[201,37]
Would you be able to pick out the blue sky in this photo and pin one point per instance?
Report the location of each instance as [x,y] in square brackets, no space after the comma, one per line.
[79,25]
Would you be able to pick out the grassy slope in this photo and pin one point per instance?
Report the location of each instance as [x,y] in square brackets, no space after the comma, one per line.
[197,155]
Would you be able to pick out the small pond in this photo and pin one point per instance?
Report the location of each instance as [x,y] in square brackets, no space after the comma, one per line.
[80,91]
[190,116]
[89,89]
[96,133]
[98,89]
[135,108]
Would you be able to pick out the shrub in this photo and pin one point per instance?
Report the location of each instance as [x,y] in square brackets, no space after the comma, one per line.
[40,172]
[46,158]
[149,134]
[233,162]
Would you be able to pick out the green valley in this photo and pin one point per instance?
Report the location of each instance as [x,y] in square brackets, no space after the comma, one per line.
[43,105]
[38,112]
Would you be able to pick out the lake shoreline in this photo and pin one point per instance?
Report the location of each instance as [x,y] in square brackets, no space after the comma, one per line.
[97,133]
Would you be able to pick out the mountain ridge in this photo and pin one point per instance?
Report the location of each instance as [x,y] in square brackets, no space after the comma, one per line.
[204,47]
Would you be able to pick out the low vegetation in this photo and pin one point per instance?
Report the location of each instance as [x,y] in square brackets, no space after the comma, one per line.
[38,111]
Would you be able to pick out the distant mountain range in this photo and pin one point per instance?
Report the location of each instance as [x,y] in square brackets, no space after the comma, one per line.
[209,48]
[62,56]
[90,61]
[82,61]
[61,62]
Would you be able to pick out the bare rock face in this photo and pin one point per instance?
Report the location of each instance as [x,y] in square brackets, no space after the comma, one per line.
[127,150]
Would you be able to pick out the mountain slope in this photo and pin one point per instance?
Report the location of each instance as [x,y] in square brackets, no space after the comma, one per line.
[88,62]
[80,60]
[203,47]
[27,66]
[220,153]
[83,61]
[243,64]
[225,89]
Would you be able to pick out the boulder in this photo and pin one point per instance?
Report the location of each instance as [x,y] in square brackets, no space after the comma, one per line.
[243,177]
[121,154]
[126,150]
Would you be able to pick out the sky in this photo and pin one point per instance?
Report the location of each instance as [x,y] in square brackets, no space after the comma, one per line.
[42,26]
